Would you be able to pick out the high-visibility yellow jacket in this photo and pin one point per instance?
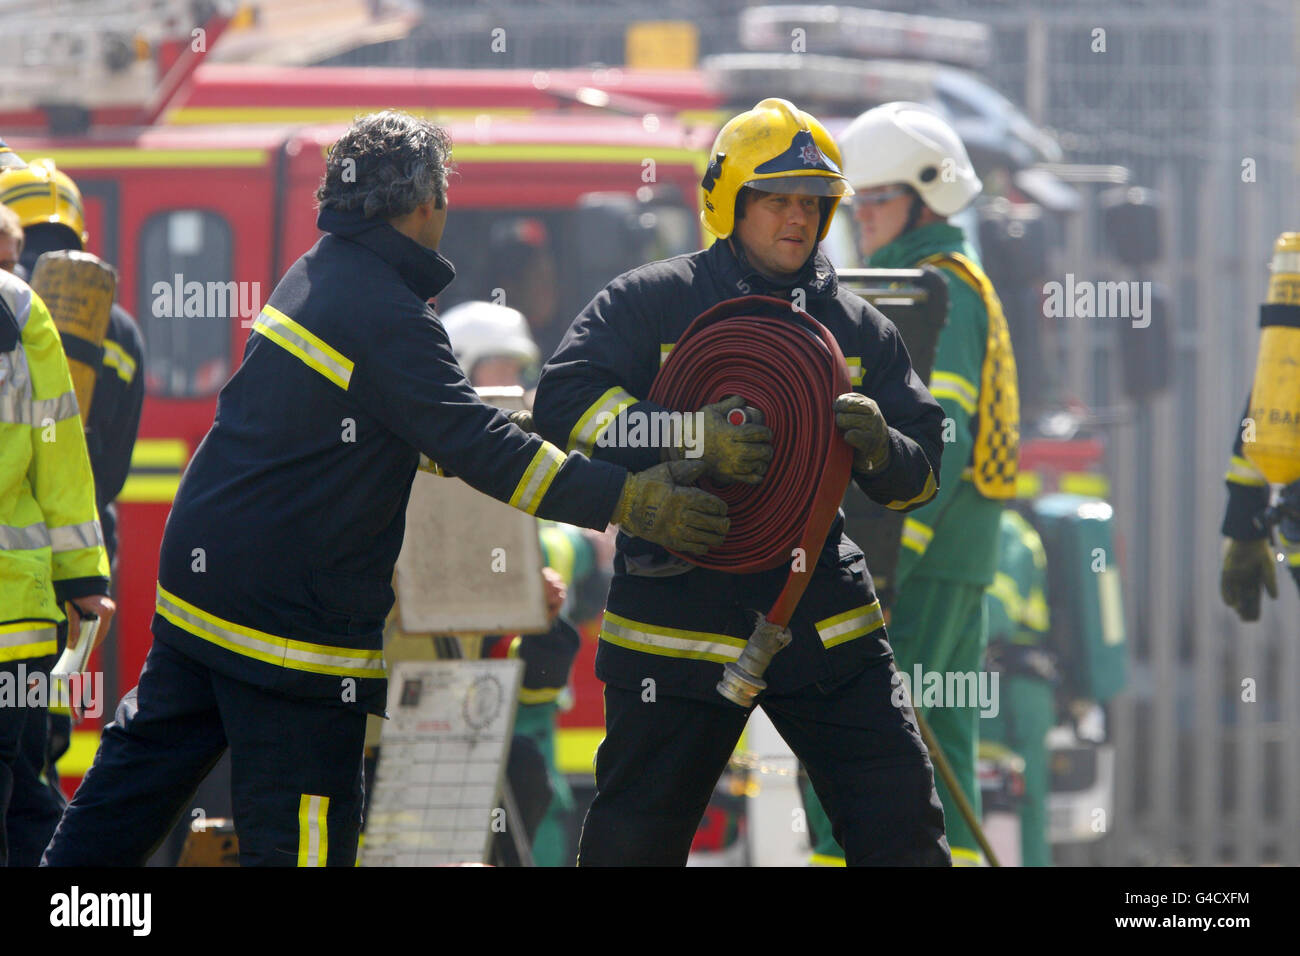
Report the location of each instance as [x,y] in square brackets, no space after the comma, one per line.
[51,546]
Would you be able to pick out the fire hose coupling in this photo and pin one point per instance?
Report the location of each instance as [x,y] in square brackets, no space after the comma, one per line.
[742,680]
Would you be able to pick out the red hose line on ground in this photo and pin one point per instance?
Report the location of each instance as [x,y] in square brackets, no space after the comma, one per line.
[787,365]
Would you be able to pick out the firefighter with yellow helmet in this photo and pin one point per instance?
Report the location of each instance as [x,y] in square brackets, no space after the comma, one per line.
[50,207]
[772,184]
[910,172]
[51,548]
[105,354]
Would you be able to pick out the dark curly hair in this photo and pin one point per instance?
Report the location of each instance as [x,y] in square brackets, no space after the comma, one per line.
[385,165]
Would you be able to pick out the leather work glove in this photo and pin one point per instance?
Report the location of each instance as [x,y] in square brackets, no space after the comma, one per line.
[523,418]
[1247,565]
[865,429]
[657,505]
[731,452]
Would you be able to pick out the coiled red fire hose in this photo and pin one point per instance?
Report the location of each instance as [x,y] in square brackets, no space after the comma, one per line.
[787,365]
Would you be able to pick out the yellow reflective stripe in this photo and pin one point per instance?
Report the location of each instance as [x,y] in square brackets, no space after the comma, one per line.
[1242,472]
[1005,590]
[1082,483]
[855,369]
[539,474]
[953,386]
[134,157]
[115,357]
[825,859]
[926,494]
[80,754]
[151,488]
[593,421]
[538,695]
[1036,614]
[964,857]
[664,349]
[313,830]
[851,624]
[1028,483]
[159,453]
[150,455]
[21,641]
[575,748]
[298,341]
[670,641]
[916,536]
[261,646]
[578,153]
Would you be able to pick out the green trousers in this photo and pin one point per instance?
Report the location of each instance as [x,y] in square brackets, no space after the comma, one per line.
[551,842]
[941,626]
[1026,715]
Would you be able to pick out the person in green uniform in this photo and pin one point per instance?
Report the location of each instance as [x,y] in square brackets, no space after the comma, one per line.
[910,172]
[1016,604]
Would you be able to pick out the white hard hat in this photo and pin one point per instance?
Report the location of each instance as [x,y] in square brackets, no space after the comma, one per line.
[910,143]
[480,330]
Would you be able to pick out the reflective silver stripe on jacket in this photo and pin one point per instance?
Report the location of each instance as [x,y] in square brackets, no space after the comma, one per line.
[17,408]
[20,642]
[24,539]
[18,296]
[71,537]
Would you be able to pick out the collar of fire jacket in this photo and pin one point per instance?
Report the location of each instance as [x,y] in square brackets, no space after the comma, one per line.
[424,271]
[736,271]
[913,246]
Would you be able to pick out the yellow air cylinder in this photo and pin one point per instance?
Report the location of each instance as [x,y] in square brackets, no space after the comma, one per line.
[78,289]
[1275,398]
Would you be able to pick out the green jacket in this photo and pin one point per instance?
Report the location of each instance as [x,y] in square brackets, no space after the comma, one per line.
[51,545]
[955,536]
[1017,598]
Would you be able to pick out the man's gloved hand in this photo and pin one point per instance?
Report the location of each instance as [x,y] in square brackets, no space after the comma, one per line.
[1246,566]
[730,452]
[865,429]
[523,418]
[657,505]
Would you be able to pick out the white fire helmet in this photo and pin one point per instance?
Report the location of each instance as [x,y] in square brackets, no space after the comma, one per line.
[910,143]
[481,330]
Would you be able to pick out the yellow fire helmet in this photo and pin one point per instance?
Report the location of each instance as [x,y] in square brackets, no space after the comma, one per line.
[39,194]
[777,148]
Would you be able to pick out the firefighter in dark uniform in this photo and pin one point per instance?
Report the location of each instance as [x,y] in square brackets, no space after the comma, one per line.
[276,563]
[772,185]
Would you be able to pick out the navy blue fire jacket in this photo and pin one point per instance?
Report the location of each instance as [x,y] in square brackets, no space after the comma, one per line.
[278,556]
[115,417]
[666,619]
